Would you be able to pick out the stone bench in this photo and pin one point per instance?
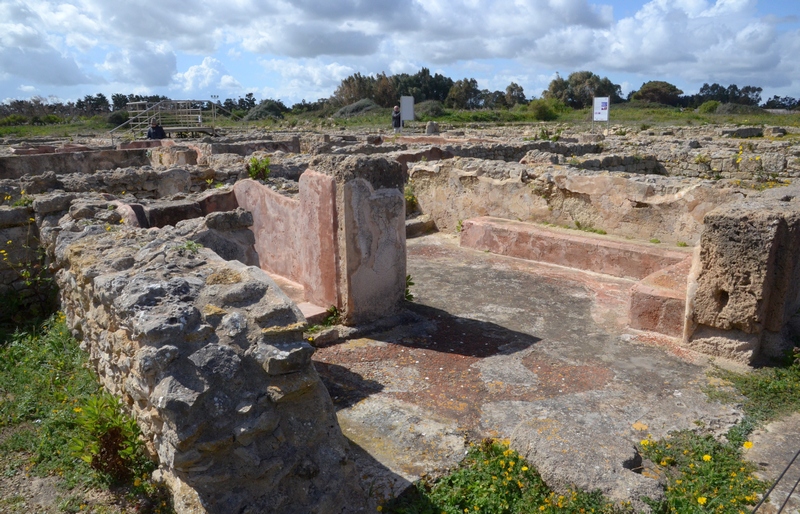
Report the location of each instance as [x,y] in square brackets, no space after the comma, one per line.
[600,254]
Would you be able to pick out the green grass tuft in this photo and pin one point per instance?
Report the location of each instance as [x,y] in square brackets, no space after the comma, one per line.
[494,479]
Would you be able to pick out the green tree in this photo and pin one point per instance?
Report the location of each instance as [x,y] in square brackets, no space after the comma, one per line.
[384,92]
[90,105]
[578,90]
[119,101]
[777,102]
[423,86]
[464,95]
[354,88]
[657,91]
[515,95]
[493,99]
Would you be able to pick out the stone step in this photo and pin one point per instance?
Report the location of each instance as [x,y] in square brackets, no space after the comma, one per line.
[580,250]
[658,301]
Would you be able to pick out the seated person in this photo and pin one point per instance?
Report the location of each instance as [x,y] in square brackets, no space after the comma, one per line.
[155,131]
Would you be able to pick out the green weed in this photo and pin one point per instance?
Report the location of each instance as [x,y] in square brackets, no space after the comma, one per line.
[408,295]
[765,393]
[493,479]
[189,246]
[703,474]
[49,401]
[334,317]
[258,169]
[410,197]
[23,201]
[34,295]
[589,228]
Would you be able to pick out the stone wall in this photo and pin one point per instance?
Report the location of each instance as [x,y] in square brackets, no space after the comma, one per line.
[71,162]
[638,206]
[208,356]
[342,238]
[744,292]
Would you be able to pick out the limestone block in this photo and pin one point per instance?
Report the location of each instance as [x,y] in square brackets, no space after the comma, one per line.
[658,301]
[375,258]
[666,208]
[747,286]
[238,418]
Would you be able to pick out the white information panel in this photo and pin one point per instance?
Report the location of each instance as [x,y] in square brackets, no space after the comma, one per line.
[601,108]
[407,108]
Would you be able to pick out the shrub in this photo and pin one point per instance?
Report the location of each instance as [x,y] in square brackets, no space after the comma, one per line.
[739,109]
[543,110]
[709,107]
[258,169]
[267,109]
[355,109]
[52,119]
[429,109]
[13,119]
[117,118]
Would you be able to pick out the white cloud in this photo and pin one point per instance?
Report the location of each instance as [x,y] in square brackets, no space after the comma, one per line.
[209,75]
[308,79]
[150,66]
[309,46]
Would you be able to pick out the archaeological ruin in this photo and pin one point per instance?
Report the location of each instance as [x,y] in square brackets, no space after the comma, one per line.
[193,287]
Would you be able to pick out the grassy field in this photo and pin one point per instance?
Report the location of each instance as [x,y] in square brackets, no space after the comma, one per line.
[637,117]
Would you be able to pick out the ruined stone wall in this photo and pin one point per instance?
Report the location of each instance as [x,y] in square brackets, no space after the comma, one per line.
[342,238]
[637,206]
[745,287]
[19,242]
[72,162]
[208,356]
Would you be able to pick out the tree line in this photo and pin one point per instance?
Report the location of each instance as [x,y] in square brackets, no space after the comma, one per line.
[576,91]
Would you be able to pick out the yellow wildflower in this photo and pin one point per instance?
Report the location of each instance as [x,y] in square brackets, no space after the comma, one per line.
[702,500]
[707,457]
[748,444]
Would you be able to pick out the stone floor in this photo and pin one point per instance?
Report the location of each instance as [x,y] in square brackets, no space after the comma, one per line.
[506,348]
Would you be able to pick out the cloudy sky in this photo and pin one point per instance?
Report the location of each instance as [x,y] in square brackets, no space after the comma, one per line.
[302,49]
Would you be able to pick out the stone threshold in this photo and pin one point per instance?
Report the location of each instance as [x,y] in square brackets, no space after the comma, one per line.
[658,299]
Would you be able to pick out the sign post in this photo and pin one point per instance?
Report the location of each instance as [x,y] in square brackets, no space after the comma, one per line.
[601,105]
[406,110]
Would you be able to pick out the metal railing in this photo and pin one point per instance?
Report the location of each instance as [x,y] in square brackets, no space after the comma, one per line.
[173,115]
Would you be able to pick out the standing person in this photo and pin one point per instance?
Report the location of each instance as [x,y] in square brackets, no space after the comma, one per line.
[155,131]
[397,123]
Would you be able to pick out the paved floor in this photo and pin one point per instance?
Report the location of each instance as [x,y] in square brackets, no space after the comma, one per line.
[500,347]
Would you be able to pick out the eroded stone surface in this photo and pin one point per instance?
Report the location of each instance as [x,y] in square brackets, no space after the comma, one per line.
[209,357]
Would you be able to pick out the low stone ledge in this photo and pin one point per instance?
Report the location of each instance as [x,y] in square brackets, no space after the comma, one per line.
[586,252]
[658,302]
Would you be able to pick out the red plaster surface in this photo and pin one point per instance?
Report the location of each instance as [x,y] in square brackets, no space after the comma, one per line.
[599,254]
[276,222]
[658,302]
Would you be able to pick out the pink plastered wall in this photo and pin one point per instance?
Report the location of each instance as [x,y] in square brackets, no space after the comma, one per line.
[296,237]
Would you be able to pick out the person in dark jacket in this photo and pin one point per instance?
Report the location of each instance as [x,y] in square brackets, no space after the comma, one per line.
[397,123]
[155,131]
